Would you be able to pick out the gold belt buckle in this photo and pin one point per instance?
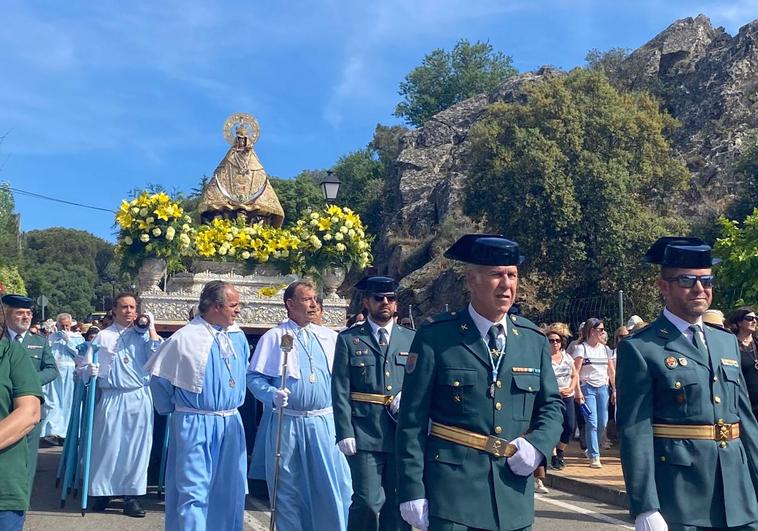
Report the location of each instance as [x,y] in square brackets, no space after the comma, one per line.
[498,447]
[723,432]
[388,400]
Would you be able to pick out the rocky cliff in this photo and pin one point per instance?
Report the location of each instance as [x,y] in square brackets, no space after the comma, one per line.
[706,78]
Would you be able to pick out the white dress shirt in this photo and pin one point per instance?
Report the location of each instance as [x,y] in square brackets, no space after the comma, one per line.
[684,326]
[375,329]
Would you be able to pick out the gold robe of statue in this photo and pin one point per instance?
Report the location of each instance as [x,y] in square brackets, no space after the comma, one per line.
[240,186]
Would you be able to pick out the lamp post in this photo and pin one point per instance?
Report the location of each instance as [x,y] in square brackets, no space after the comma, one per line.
[330,185]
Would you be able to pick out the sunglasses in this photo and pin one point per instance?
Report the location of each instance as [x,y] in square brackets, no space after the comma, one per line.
[688,281]
[750,318]
[380,298]
[554,340]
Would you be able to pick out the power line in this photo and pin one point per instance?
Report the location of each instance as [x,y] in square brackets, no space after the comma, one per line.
[40,196]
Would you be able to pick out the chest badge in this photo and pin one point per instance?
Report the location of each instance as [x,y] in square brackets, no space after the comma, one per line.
[683,362]
[356,341]
[671,362]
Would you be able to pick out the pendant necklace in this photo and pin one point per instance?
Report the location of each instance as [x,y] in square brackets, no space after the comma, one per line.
[307,349]
[214,333]
[121,331]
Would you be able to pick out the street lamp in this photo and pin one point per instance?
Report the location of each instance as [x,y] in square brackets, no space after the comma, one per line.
[330,185]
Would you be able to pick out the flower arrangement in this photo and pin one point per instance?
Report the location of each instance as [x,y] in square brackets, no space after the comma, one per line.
[234,240]
[334,236]
[153,226]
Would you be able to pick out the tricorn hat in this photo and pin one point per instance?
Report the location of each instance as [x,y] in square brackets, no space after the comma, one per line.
[378,285]
[485,249]
[675,251]
[17,301]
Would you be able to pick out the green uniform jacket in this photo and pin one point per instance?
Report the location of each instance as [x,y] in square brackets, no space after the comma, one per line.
[17,378]
[446,381]
[360,366]
[42,357]
[662,378]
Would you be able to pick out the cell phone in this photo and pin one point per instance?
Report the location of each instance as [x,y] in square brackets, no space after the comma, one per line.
[586,409]
[142,324]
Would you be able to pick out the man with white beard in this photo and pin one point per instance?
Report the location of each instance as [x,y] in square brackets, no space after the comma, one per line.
[59,394]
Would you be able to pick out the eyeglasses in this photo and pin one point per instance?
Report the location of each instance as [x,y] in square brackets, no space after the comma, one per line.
[750,318]
[380,298]
[554,340]
[600,329]
[688,281]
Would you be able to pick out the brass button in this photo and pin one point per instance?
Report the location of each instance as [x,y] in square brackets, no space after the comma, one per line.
[437,456]
[358,353]
[530,388]
[678,385]
[498,406]
[663,459]
[715,378]
[721,422]
[389,388]
[499,384]
[498,429]
[456,383]
[716,399]
[386,373]
[363,364]
[722,444]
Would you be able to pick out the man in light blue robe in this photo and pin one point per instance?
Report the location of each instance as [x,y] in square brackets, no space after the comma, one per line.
[122,431]
[59,394]
[199,376]
[314,489]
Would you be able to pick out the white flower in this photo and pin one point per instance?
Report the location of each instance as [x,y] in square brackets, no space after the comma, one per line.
[348,224]
[335,219]
[128,240]
[285,253]
[314,215]
[185,239]
[245,255]
[185,227]
[344,229]
[157,231]
[223,249]
[144,238]
[339,236]
[143,212]
[351,232]
[314,222]
[150,219]
[340,247]
[135,210]
[149,247]
[327,237]
[170,233]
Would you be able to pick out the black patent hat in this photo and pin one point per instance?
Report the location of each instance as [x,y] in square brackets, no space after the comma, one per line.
[18,301]
[378,285]
[485,249]
[673,251]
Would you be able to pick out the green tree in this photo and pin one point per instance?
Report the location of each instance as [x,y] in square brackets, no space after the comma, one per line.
[361,175]
[582,176]
[445,78]
[11,281]
[73,268]
[746,171]
[9,227]
[299,194]
[738,273]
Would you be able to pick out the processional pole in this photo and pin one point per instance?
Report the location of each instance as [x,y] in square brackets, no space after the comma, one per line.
[88,433]
[286,346]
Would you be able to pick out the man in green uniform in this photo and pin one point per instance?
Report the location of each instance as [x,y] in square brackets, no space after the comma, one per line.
[481,407]
[369,365]
[18,319]
[689,442]
[20,397]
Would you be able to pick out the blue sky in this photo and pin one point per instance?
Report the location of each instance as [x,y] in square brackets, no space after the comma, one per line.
[97,98]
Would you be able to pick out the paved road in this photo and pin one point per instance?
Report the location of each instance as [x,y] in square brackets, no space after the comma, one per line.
[556,510]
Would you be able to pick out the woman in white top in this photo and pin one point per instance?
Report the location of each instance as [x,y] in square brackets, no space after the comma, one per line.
[568,379]
[596,371]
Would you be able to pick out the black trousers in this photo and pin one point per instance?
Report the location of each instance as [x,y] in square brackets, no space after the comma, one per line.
[375,506]
[438,524]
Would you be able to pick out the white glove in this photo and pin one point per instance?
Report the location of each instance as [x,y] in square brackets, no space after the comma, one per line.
[395,404]
[150,316]
[281,397]
[347,446]
[91,370]
[416,513]
[526,459]
[650,521]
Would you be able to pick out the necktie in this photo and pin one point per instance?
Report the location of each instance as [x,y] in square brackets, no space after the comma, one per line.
[18,338]
[697,341]
[494,341]
[383,337]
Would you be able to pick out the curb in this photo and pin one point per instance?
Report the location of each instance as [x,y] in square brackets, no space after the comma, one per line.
[595,491]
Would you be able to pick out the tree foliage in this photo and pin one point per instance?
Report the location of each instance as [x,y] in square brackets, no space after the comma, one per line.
[73,268]
[9,227]
[746,171]
[738,273]
[299,194]
[445,78]
[581,176]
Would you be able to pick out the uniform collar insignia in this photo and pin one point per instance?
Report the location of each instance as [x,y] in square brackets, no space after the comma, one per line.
[663,332]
